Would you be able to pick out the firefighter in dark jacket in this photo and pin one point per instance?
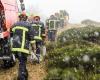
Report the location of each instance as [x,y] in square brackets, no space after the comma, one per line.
[22,36]
[39,35]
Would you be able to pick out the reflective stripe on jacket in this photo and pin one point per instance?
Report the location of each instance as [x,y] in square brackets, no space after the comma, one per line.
[23,34]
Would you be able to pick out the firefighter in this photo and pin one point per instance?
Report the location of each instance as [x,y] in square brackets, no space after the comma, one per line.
[22,35]
[39,35]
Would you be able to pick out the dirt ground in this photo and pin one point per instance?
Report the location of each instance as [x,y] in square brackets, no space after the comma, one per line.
[36,72]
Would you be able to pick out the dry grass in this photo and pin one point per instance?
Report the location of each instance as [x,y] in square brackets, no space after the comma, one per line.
[36,72]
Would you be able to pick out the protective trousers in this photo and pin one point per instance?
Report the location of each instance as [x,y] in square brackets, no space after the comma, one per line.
[38,50]
[22,73]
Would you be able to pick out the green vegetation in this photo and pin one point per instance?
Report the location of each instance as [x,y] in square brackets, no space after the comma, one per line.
[76,55]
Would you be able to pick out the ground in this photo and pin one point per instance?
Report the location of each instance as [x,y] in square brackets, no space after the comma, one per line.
[36,72]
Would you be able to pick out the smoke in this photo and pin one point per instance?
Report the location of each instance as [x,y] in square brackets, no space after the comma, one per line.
[34,9]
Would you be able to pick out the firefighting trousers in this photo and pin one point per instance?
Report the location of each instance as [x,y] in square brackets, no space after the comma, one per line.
[22,73]
[51,35]
[38,48]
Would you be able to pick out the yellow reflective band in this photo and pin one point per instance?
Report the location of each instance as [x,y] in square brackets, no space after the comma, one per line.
[37,37]
[23,40]
[39,28]
[19,27]
[21,50]
[36,25]
[39,31]
[32,41]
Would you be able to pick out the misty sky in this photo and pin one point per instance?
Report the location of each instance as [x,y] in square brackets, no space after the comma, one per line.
[77,9]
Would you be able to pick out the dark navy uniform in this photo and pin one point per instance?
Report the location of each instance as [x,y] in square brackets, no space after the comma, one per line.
[52,29]
[38,31]
[22,36]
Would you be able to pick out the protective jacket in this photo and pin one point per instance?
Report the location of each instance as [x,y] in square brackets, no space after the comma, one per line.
[23,34]
[38,30]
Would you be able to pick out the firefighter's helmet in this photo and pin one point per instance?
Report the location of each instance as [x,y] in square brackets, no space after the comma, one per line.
[36,17]
[23,16]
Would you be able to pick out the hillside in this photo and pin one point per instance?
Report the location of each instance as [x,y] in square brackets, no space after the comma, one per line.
[90,22]
[69,26]
[76,55]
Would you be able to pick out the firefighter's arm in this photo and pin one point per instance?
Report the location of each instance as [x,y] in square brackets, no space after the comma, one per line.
[31,35]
